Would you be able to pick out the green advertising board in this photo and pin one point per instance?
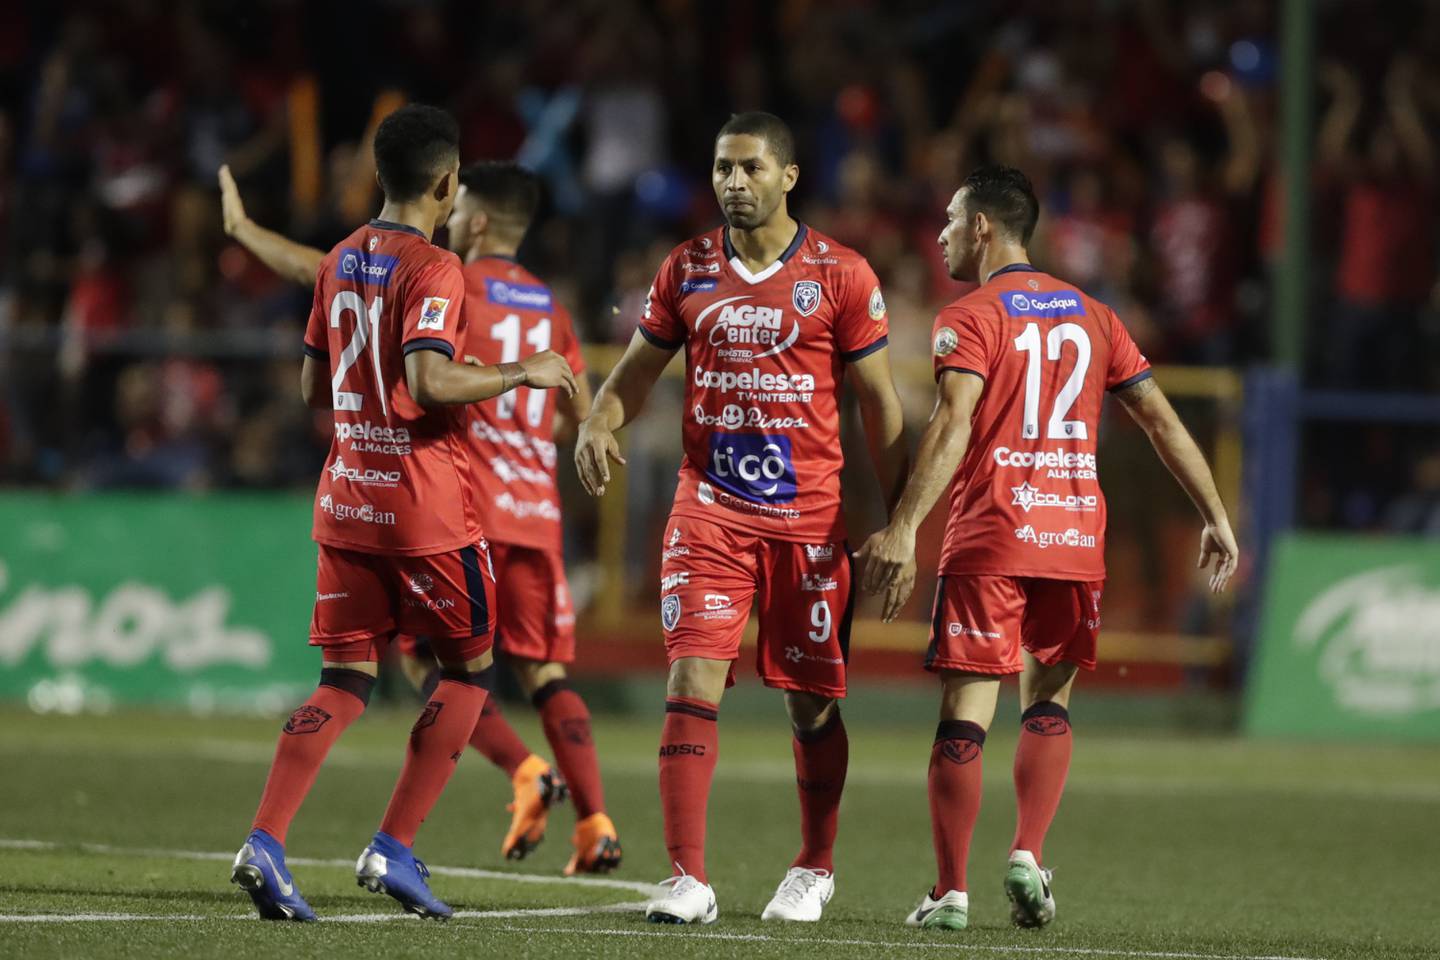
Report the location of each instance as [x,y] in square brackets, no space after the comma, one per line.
[196,601]
[1350,640]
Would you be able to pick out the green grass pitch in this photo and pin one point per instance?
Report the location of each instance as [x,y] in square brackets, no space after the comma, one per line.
[1165,847]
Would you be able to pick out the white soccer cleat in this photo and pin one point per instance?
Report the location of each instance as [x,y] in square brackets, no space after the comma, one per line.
[801,896]
[687,901]
[1027,884]
[950,912]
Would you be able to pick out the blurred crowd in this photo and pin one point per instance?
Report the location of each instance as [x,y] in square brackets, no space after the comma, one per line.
[141,348]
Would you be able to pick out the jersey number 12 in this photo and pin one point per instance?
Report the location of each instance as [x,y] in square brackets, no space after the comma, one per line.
[1058,428]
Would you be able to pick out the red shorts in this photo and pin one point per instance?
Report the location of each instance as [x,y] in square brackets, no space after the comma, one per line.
[362,599]
[534,619]
[981,623]
[711,575]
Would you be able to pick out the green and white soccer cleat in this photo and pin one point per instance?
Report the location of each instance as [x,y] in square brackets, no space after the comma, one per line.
[950,912]
[1027,884]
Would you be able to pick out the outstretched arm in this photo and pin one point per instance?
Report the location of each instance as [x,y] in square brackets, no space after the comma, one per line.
[888,557]
[1148,407]
[618,402]
[293,261]
[884,421]
[435,380]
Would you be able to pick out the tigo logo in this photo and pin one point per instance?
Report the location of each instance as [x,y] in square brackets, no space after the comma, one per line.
[754,466]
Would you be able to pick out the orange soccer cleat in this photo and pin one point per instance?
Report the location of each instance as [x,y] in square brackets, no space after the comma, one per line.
[537,788]
[597,846]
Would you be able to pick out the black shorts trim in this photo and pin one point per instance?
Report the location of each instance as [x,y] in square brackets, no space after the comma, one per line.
[475,587]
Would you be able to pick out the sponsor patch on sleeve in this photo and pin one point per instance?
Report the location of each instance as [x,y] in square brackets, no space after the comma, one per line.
[432,315]
[877,305]
[946,340]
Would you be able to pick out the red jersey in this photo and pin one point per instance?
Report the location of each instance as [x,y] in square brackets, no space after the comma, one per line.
[763,367]
[1026,501]
[509,315]
[397,478]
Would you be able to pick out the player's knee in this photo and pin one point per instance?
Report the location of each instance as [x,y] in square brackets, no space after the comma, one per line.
[809,712]
[357,683]
[535,675]
[697,678]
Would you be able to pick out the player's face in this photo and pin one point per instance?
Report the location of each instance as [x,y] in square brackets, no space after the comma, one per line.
[960,240]
[749,182]
[447,203]
[459,228]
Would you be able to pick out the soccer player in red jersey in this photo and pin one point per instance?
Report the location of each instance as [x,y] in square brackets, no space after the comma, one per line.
[1023,364]
[401,547]
[771,316]
[508,313]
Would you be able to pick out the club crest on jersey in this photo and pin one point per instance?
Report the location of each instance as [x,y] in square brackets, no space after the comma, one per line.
[946,341]
[806,296]
[670,612]
[432,317]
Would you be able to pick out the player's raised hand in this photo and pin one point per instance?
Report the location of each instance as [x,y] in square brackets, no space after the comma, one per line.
[547,369]
[595,447]
[232,208]
[888,566]
[1217,544]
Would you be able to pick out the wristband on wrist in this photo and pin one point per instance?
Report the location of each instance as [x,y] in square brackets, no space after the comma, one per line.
[512,375]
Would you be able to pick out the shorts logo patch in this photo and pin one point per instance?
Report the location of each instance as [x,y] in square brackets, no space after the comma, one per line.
[428,716]
[946,340]
[960,751]
[432,317]
[806,296]
[306,719]
[1047,726]
[793,654]
[670,612]
[421,582]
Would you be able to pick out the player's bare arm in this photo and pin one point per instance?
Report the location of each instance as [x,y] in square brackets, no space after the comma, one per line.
[315,384]
[293,261]
[436,380]
[619,401]
[888,557]
[570,411]
[1148,407]
[884,421]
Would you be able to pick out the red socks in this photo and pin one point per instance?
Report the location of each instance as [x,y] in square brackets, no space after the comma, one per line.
[496,740]
[567,728]
[821,759]
[436,742]
[304,743]
[955,784]
[689,745]
[1042,760]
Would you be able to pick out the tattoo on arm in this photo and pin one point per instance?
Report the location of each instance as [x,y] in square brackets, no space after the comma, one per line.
[1134,393]
[512,375]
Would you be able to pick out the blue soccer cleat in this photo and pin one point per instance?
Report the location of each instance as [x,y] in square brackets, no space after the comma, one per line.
[260,870]
[388,866]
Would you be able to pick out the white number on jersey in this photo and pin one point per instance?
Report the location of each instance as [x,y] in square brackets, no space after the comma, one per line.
[367,328]
[507,331]
[1058,428]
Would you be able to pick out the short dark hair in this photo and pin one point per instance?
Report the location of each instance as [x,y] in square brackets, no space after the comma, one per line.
[766,126]
[412,146]
[506,189]
[1005,195]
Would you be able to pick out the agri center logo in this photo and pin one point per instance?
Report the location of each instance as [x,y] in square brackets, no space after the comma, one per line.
[734,324]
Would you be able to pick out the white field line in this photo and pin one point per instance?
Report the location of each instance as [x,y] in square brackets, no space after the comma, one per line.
[861,774]
[950,947]
[474,873]
[341,918]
